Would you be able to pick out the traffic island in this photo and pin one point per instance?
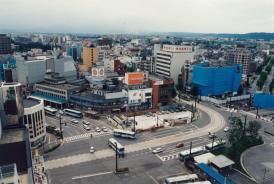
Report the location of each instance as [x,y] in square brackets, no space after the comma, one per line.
[121,170]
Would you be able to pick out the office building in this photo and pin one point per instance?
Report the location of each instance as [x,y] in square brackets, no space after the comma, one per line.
[11,105]
[170,59]
[75,51]
[90,57]
[9,174]
[5,45]
[216,80]
[34,120]
[7,68]
[54,90]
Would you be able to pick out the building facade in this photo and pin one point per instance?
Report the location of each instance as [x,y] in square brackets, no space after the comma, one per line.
[170,59]
[5,45]
[34,120]
[90,57]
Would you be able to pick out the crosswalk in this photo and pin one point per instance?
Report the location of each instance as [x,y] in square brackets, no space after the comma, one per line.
[171,152]
[85,136]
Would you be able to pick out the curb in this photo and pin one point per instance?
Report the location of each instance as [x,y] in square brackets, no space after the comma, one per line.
[241,160]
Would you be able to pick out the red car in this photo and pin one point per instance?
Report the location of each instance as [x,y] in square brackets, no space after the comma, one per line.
[179,145]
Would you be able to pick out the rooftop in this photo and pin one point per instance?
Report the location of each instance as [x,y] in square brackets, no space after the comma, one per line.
[30,102]
[12,135]
[60,86]
[221,161]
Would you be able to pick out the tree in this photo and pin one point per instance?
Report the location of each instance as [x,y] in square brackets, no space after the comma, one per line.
[240,90]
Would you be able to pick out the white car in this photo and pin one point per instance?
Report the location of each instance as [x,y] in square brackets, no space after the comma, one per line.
[91,150]
[86,122]
[157,150]
[74,121]
[97,129]
[104,129]
[86,127]
[226,129]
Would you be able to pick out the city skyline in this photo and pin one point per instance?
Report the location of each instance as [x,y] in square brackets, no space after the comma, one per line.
[120,16]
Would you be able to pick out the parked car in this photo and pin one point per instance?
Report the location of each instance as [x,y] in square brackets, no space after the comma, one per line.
[104,129]
[179,145]
[74,121]
[97,129]
[85,122]
[157,150]
[211,135]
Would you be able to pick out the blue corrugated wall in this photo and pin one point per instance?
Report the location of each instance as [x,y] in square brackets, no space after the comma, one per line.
[216,80]
[263,100]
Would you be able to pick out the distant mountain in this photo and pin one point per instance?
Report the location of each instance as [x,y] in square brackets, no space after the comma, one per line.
[255,35]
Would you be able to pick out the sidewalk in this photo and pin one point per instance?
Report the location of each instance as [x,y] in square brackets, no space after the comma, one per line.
[39,171]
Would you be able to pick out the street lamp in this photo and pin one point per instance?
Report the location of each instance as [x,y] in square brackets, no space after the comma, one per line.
[59,115]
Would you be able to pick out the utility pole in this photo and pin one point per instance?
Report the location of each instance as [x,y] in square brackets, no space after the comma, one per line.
[244,125]
[190,148]
[134,121]
[116,157]
[213,138]
[257,113]
[60,125]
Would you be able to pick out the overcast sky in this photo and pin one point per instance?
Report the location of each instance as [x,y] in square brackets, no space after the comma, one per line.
[133,16]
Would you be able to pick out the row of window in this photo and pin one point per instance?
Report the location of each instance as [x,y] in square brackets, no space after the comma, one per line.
[52,95]
[35,123]
[50,89]
[161,54]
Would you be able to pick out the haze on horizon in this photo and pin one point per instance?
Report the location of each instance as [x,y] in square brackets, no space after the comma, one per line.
[134,16]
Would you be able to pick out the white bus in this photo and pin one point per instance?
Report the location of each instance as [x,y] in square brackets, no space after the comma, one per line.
[50,111]
[216,145]
[120,149]
[124,133]
[73,113]
[194,152]
[182,179]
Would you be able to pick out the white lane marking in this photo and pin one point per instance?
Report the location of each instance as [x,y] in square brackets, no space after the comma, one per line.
[153,179]
[91,175]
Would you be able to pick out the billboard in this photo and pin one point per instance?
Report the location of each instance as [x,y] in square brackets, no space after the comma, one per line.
[98,72]
[136,78]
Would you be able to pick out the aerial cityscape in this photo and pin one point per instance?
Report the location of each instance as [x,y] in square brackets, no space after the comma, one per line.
[136,92]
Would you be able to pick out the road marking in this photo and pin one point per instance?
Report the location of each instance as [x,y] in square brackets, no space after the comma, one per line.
[153,179]
[91,175]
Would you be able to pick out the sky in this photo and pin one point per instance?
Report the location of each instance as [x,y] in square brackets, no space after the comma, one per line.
[137,16]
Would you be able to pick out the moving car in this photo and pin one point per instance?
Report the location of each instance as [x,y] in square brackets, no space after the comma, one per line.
[86,122]
[179,145]
[74,121]
[86,127]
[157,150]
[97,129]
[104,129]
[91,150]
[226,129]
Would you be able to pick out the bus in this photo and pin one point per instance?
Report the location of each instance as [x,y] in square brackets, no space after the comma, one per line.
[120,149]
[73,113]
[182,179]
[50,111]
[194,152]
[216,145]
[124,133]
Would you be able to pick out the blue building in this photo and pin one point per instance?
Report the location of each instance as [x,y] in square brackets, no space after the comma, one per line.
[263,100]
[216,80]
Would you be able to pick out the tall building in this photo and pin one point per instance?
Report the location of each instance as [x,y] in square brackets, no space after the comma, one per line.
[5,45]
[240,55]
[11,105]
[90,57]
[34,120]
[171,58]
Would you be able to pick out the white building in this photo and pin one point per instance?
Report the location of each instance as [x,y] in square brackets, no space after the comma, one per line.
[138,97]
[170,59]
[34,120]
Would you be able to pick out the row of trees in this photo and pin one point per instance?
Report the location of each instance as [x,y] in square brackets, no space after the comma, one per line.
[263,75]
[241,136]
[271,86]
